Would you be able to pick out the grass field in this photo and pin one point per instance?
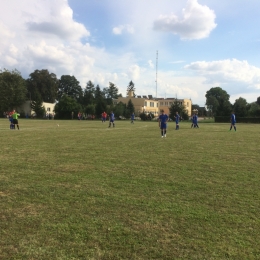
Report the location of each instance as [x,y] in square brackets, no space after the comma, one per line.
[85,191]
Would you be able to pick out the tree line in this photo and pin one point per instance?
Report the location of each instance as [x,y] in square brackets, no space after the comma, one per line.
[43,86]
[218,104]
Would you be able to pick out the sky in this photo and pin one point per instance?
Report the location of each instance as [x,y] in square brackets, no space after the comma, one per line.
[200,43]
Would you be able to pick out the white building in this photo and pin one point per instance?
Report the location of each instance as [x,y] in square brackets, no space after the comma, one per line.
[27,110]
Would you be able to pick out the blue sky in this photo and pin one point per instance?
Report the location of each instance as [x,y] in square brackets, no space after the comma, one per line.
[201,44]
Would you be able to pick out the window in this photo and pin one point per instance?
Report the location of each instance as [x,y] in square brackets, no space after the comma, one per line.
[166,103]
[187,104]
[151,104]
[161,103]
[48,109]
[157,104]
[181,103]
[170,103]
[145,104]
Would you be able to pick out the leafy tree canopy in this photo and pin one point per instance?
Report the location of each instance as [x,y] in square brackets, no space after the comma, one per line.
[258,101]
[110,93]
[217,101]
[119,109]
[66,106]
[38,108]
[131,87]
[130,109]
[240,107]
[178,107]
[88,94]
[69,86]
[12,90]
[44,85]
[100,101]
[90,109]
[254,110]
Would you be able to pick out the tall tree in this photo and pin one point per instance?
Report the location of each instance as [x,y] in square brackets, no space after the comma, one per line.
[66,106]
[240,107]
[212,105]
[88,94]
[178,107]
[90,109]
[70,86]
[130,108]
[13,90]
[43,84]
[254,109]
[98,93]
[110,93]
[217,100]
[105,93]
[99,101]
[258,101]
[119,109]
[38,108]
[131,87]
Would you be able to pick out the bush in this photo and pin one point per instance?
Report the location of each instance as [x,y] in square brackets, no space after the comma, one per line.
[145,117]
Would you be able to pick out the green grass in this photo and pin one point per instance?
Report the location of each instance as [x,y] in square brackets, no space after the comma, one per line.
[84,191]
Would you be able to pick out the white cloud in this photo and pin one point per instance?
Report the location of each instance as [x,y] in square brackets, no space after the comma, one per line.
[120,29]
[225,72]
[170,85]
[151,65]
[134,72]
[197,22]
[5,32]
[59,22]
[250,97]
[38,34]
[176,62]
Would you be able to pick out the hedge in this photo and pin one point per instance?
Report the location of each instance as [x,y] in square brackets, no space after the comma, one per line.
[226,119]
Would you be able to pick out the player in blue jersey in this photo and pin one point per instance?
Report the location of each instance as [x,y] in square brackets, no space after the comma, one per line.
[233,121]
[112,119]
[11,122]
[163,119]
[194,121]
[177,119]
[132,118]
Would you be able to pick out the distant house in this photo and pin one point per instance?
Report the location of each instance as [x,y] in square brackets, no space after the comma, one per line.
[165,104]
[142,104]
[27,110]
[149,104]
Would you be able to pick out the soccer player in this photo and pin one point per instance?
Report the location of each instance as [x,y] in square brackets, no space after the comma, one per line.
[177,118]
[11,121]
[15,119]
[163,119]
[195,121]
[132,118]
[79,116]
[111,119]
[104,117]
[233,121]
